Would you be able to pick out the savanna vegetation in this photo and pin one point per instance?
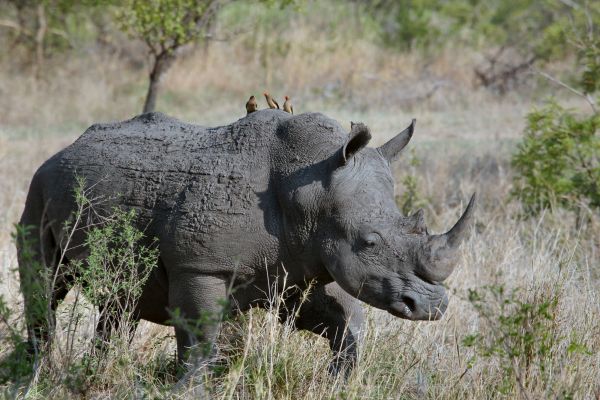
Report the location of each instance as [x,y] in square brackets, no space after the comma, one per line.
[505,94]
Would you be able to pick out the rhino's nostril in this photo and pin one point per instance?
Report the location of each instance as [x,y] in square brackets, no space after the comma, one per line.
[410,303]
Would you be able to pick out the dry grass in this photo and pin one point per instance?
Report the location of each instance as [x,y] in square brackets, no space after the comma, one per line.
[464,137]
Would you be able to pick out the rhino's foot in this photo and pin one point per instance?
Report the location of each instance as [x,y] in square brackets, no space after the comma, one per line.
[191,384]
[344,360]
[342,366]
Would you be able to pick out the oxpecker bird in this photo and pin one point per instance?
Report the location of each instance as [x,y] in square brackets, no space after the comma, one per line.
[271,101]
[251,105]
[287,105]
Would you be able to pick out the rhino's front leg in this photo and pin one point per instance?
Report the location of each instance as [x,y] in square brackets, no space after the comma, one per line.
[334,314]
[197,304]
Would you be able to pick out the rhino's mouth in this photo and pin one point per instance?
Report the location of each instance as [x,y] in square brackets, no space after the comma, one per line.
[402,309]
[407,309]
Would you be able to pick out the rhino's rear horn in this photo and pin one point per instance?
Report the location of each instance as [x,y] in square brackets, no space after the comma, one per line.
[391,149]
[415,223]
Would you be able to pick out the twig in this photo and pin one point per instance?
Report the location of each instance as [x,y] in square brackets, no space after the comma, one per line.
[519,381]
[586,96]
[13,25]
[460,377]
[63,35]
[571,3]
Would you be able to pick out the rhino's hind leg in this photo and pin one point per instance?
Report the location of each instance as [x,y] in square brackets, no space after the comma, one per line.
[43,284]
[335,315]
[197,304]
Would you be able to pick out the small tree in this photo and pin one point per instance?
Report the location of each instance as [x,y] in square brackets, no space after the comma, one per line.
[166,26]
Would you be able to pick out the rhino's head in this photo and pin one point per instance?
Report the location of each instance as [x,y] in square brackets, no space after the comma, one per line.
[369,248]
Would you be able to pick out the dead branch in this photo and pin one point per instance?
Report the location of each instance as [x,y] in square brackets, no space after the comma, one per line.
[585,96]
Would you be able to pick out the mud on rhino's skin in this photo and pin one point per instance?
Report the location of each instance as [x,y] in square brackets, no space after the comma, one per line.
[268,196]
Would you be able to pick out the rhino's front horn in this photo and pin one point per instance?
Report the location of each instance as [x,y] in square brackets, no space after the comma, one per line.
[455,235]
[440,250]
[391,149]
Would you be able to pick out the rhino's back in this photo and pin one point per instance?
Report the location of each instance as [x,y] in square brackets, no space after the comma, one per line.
[156,143]
[179,177]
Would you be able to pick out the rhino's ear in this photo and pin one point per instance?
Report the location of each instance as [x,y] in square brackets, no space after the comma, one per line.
[394,146]
[357,139]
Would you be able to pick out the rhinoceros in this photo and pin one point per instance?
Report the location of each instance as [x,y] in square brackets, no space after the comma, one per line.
[243,205]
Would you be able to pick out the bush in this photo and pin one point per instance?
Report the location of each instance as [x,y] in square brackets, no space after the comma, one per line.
[111,277]
[15,365]
[117,267]
[519,330]
[558,161]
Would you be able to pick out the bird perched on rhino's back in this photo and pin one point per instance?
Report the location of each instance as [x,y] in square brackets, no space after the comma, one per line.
[287,105]
[271,101]
[251,105]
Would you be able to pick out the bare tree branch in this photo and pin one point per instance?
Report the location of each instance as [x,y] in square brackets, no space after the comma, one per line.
[13,25]
[570,3]
[586,96]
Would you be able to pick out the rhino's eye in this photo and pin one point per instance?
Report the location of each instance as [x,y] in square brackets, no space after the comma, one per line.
[371,239]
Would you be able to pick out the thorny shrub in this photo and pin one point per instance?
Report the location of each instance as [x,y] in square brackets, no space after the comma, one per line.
[520,331]
[111,278]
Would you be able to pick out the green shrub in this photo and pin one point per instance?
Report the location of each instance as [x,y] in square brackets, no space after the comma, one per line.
[111,277]
[519,330]
[558,161]
[16,365]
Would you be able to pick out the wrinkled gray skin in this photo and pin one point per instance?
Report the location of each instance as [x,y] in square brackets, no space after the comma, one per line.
[242,205]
